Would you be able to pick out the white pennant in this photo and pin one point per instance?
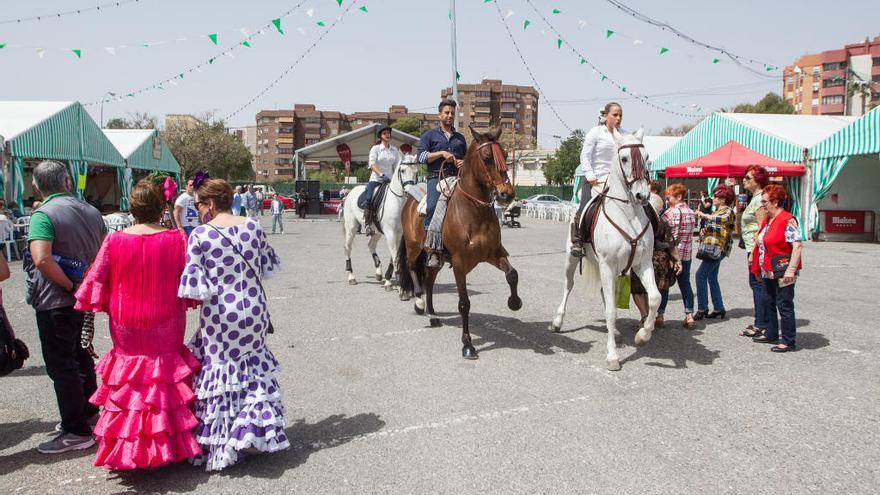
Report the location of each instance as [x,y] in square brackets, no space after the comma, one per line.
[244,32]
[310,12]
[581,23]
[111,50]
[41,52]
[301,31]
[509,13]
[637,42]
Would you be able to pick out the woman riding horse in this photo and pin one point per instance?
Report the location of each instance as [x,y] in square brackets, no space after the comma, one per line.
[383,159]
[471,233]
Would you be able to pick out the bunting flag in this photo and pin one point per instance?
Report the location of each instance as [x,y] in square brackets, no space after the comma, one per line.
[557,11]
[608,33]
[77,52]
[339,2]
[213,38]
[526,23]
[558,42]
[111,50]
[246,43]
[277,24]
[362,9]
[663,50]
[41,52]
[2,45]
[716,60]
[321,23]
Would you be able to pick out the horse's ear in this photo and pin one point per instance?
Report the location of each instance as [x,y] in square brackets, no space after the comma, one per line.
[478,137]
[640,134]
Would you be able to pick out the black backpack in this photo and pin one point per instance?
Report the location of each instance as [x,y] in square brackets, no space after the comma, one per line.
[13,352]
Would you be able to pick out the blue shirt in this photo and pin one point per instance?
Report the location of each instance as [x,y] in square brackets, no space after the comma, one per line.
[435,140]
[236,202]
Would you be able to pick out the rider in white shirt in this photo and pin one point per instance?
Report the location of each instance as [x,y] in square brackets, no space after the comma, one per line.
[383,159]
[597,157]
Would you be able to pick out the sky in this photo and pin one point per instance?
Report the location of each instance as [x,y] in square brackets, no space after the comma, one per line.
[398,52]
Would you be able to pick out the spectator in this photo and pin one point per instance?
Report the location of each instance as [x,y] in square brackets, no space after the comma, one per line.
[260,197]
[16,211]
[250,202]
[185,214]
[705,207]
[236,201]
[302,203]
[681,221]
[64,237]
[277,210]
[753,215]
[716,239]
[776,258]
[656,200]
[665,260]
[134,278]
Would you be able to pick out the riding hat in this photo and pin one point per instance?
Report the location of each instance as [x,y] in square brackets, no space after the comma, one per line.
[381,130]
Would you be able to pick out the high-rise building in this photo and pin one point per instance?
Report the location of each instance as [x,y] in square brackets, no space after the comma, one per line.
[273,159]
[844,81]
[495,104]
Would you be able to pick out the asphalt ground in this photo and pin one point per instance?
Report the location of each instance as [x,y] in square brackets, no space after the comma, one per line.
[377,402]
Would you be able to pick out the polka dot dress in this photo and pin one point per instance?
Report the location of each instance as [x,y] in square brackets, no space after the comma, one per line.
[239,401]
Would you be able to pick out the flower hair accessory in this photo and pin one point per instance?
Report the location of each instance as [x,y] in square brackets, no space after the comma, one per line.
[200,177]
[170,188]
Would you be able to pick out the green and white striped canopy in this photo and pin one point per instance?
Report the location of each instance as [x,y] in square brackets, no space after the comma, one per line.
[862,137]
[143,149]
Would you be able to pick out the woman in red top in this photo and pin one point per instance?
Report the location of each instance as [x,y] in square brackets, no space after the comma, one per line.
[778,241]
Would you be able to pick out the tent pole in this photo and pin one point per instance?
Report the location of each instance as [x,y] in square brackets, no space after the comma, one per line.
[454,57]
[807,196]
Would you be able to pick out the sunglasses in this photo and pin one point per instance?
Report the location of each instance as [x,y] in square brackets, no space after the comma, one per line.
[201,203]
[748,178]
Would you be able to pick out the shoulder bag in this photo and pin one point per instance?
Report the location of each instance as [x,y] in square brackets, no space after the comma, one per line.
[13,352]
[270,328]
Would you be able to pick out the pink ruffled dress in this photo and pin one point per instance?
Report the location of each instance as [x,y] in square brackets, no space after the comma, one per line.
[146,391]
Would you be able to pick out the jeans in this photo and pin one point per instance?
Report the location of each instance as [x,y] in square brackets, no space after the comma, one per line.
[188,230]
[364,200]
[70,367]
[757,286]
[276,219]
[684,285]
[779,301]
[433,196]
[707,281]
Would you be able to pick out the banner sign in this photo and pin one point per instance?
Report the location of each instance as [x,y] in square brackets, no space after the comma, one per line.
[844,222]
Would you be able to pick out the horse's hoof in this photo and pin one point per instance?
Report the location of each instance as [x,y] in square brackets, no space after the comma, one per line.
[389,288]
[352,281]
[641,341]
[468,352]
[405,297]
[553,328]
[514,303]
[418,310]
[435,322]
[378,278]
[614,365]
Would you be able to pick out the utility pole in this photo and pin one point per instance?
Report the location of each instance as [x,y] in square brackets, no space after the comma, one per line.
[454,58]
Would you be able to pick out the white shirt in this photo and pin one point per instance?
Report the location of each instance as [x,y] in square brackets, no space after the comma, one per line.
[277,207]
[598,153]
[386,158]
[189,216]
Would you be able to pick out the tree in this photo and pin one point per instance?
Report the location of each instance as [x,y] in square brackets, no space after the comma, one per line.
[677,131]
[208,146]
[137,120]
[559,169]
[410,125]
[513,143]
[770,103]
[118,123]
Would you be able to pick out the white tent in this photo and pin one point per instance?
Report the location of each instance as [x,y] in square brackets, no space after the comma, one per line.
[359,141]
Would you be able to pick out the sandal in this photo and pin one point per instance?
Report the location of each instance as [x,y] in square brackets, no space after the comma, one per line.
[751,331]
[763,339]
[689,322]
[782,348]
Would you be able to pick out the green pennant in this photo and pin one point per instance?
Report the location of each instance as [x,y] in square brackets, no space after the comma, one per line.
[457,76]
[321,23]
[608,33]
[277,24]
[450,15]
[583,61]
[180,75]
[487,1]
[339,2]
[246,43]
[623,89]
[526,23]
[131,95]
[604,77]
[558,42]
[213,38]
[2,45]
[663,50]
[770,68]
[716,60]
[77,52]
[557,11]
[211,60]
[363,9]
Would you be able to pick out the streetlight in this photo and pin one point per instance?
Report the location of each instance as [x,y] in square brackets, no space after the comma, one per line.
[103,98]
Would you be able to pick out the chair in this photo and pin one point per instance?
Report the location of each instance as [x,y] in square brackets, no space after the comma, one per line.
[7,238]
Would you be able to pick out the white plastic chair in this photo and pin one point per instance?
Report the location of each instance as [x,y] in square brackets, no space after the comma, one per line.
[7,238]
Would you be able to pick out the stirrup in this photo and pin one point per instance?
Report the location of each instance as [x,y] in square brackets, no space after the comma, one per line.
[577,250]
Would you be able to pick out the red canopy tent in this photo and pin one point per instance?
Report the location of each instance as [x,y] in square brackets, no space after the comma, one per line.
[731,160]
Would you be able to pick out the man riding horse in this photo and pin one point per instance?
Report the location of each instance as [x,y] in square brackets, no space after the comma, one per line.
[443,149]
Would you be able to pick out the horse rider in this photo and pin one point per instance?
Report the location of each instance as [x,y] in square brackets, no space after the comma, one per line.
[443,150]
[383,159]
[598,155]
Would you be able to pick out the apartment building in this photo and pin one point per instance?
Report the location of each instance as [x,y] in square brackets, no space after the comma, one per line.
[491,103]
[273,159]
[843,81]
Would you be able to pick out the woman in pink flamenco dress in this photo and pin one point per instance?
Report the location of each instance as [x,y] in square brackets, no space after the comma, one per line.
[146,390]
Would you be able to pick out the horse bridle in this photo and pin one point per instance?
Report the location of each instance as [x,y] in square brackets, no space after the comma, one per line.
[500,164]
[639,171]
[403,183]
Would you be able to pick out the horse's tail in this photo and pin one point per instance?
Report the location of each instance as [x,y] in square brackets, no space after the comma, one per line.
[404,278]
[590,278]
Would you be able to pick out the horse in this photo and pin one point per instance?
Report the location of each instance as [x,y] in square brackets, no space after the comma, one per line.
[388,216]
[622,240]
[471,234]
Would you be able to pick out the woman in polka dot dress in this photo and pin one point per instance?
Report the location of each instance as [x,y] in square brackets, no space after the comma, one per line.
[239,402]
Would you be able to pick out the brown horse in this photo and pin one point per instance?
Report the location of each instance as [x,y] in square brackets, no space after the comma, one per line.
[471,233]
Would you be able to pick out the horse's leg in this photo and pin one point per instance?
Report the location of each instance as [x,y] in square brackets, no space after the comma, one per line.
[392,240]
[609,283]
[429,296]
[571,264]
[464,308]
[377,263]
[512,277]
[350,225]
[646,275]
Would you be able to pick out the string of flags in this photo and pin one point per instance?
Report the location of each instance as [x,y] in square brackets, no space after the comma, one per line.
[66,13]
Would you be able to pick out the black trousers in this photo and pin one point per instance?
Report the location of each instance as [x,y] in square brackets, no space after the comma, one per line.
[70,367]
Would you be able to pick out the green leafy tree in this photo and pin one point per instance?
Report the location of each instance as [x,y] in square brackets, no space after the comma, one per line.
[209,146]
[559,169]
[136,120]
[410,125]
[770,103]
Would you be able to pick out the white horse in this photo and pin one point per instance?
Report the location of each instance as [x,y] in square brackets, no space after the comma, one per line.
[622,239]
[388,217]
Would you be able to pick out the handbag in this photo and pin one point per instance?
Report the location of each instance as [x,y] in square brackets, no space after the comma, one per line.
[73,268]
[709,252]
[779,264]
[13,352]
[270,328]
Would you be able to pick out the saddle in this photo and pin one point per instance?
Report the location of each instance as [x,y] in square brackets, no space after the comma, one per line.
[374,204]
[590,217]
[446,187]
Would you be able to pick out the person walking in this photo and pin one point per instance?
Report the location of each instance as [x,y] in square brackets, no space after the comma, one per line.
[145,391]
[681,221]
[776,258]
[277,210]
[239,402]
[250,202]
[64,237]
[185,215]
[754,181]
[260,198]
[716,239]
[237,201]
[382,161]
[598,154]
[442,149]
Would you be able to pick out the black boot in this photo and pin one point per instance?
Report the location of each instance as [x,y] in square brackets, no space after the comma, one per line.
[368,222]
[577,244]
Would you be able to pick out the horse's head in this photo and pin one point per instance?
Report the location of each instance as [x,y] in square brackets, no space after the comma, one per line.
[408,170]
[632,159]
[485,159]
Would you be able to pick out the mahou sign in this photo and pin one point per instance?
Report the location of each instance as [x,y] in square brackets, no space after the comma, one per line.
[844,222]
